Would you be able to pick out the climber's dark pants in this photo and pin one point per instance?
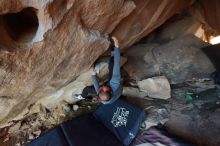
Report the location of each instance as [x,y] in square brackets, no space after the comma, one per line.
[90,90]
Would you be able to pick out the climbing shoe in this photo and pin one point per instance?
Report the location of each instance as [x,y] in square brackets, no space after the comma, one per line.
[77,96]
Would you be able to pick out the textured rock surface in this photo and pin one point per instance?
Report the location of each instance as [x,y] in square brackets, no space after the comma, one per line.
[133,92]
[208,13]
[156,87]
[196,121]
[178,26]
[179,60]
[62,40]
[68,49]
[136,66]
[102,65]
[182,59]
[145,18]
[65,93]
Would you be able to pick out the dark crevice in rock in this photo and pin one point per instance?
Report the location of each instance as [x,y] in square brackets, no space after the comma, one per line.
[20,27]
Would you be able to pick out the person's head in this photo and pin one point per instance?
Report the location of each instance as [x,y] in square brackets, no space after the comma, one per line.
[104,93]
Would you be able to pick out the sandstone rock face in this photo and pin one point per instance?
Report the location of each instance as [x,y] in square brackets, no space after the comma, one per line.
[70,46]
[61,40]
[145,18]
[208,13]
[186,25]
[178,26]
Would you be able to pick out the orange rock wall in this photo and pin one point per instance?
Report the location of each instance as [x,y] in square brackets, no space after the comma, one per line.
[70,36]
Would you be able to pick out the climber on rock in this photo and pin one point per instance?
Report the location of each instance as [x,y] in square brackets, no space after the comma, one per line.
[109,93]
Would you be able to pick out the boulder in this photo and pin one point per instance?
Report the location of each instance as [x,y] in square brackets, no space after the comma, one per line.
[179,60]
[102,65]
[75,107]
[182,59]
[133,92]
[156,87]
[136,67]
[156,116]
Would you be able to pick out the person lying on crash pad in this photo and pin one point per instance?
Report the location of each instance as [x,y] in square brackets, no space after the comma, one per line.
[110,92]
